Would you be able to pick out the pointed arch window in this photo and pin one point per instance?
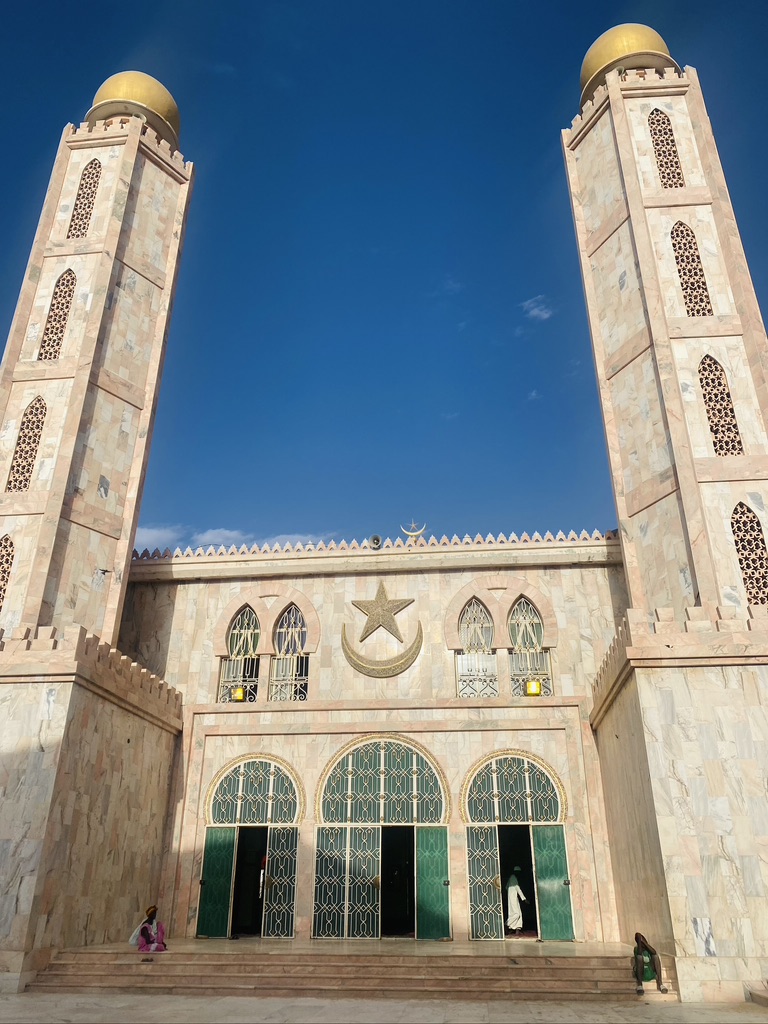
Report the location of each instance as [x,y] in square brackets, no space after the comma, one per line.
[691,271]
[529,659]
[27,444]
[6,564]
[290,665]
[476,674]
[58,315]
[726,438]
[86,196]
[665,150]
[753,556]
[239,675]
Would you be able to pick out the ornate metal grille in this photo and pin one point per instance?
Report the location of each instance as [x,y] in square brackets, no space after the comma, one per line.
[484,877]
[58,315]
[476,673]
[240,671]
[290,666]
[665,150]
[528,659]
[753,557]
[27,443]
[347,879]
[720,413]
[512,790]
[280,883]
[692,280]
[382,782]
[257,792]
[6,563]
[86,196]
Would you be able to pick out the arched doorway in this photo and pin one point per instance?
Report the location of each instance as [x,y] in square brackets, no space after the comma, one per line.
[514,808]
[248,883]
[381,867]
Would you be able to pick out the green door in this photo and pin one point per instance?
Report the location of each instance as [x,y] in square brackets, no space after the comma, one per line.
[364,882]
[216,882]
[280,883]
[552,882]
[432,902]
[330,910]
[484,871]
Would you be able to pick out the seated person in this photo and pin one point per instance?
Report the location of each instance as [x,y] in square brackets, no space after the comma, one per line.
[646,965]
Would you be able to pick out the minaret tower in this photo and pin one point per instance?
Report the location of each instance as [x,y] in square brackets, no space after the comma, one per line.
[680,703]
[679,344]
[80,377]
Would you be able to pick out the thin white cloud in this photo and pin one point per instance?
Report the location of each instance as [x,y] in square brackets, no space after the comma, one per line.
[449,285]
[537,308]
[219,536]
[449,415]
[533,395]
[159,537]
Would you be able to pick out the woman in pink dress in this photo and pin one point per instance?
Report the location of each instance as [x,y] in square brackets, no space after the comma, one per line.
[152,933]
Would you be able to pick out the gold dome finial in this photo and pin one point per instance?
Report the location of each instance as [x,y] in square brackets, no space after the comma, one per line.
[627,46]
[133,92]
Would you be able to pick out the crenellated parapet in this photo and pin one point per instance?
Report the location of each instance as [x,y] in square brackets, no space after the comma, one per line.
[43,654]
[117,129]
[633,80]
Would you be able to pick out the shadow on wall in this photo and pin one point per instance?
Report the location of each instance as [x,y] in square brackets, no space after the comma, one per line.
[147,625]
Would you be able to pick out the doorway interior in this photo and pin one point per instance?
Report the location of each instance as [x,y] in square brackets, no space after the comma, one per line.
[516,857]
[250,880]
[398,881]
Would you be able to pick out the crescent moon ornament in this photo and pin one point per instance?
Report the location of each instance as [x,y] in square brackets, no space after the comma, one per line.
[414,530]
[387,667]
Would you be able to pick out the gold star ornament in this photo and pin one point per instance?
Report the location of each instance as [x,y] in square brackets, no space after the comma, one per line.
[381,612]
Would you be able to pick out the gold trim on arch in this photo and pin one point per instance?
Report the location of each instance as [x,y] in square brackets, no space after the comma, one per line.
[544,765]
[373,737]
[301,799]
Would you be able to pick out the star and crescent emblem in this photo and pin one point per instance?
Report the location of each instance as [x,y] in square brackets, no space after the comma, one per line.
[380,613]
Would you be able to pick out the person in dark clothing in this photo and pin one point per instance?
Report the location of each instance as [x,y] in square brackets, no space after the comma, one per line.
[647,965]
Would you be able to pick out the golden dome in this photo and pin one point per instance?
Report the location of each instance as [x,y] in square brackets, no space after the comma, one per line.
[133,92]
[628,46]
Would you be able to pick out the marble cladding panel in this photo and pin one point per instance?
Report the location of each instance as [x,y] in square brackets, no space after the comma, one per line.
[55,394]
[619,302]
[700,220]
[170,628]
[718,502]
[110,158]
[706,732]
[24,531]
[639,414]
[310,751]
[85,268]
[81,568]
[659,536]
[34,717]
[105,445]
[676,109]
[600,187]
[106,829]
[127,330]
[148,226]
[638,868]
[730,354]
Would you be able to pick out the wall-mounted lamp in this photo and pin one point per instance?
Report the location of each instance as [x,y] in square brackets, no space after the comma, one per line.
[237,693]
[533,688]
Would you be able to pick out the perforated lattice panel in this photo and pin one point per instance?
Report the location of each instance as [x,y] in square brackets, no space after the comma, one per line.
[27,444]
[691,271]
[86,197]
[258,792]
[665,150]
[753,557]
[58,316]
[721,416]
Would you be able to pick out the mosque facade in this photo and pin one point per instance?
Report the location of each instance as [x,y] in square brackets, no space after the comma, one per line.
[368,740]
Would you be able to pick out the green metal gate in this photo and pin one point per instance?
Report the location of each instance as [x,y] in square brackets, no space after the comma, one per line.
[432,883]
[484,874]
[280,883]
[347,882]
[552,882]
[216,882]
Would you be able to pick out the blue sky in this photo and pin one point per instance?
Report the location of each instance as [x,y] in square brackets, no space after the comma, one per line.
[379,314]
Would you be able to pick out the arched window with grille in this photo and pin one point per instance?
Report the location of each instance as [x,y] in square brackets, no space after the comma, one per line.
[239,675]
[86,197]
[27,443]
[753,556]
[58,315]
[529,659]
[720,412]
[6,564]
[290,665]
[691,271]
[665,150]
[476,674]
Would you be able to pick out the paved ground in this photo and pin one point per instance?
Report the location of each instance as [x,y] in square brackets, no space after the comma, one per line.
[34,1008]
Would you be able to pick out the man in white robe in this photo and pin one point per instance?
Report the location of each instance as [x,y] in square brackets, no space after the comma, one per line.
[514,910]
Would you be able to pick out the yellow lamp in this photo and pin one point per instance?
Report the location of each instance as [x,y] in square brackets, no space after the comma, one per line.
[533,688]
[238,693]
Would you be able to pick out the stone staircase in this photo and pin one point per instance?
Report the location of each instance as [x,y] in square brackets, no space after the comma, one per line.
[290,975]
